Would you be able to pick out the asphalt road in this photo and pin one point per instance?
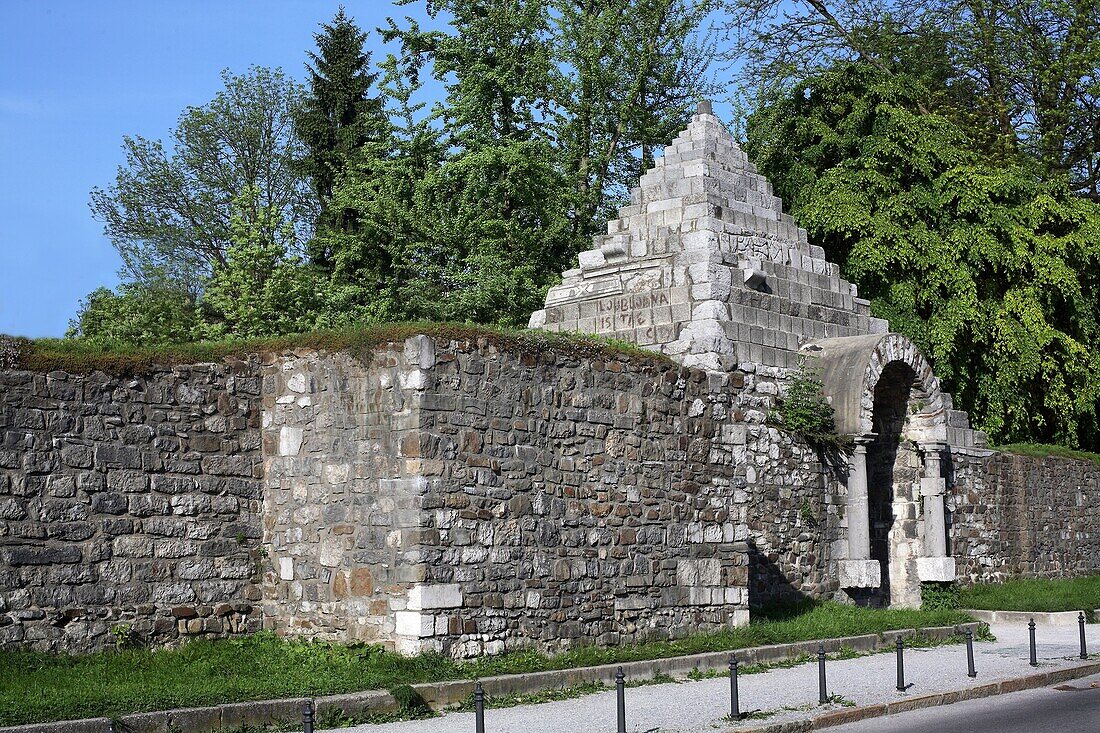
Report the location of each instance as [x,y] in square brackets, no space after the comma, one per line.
[1073,707]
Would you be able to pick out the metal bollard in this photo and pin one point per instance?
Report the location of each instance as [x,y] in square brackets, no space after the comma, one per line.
[307,717]
[822,695]
[479,708]
[735,704]
[970,671]
[620,691]
[1081,625]
[901,664]
[1031,634]
[110,726]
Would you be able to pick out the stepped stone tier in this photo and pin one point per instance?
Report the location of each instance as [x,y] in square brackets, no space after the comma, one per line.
[705,267]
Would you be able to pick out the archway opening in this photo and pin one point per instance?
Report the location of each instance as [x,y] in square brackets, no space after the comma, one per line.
[891,473]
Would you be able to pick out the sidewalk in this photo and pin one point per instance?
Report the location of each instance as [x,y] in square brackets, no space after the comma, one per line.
[784,694]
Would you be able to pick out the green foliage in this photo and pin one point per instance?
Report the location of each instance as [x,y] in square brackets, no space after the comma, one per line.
[936,596]
[140,312]
[337,116]
[170,211]
[259,291]
[991,272]
[804,410]
[36,687]
[1069,594]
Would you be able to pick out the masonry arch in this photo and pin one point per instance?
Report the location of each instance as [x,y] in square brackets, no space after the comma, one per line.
[886,397]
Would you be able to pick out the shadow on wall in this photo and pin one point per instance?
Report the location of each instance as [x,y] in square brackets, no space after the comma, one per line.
[768,586]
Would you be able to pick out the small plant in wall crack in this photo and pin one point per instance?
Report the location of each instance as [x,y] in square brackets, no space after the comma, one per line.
[805,412]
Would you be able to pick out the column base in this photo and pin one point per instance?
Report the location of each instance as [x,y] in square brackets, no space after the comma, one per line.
[860,573]
[939,569]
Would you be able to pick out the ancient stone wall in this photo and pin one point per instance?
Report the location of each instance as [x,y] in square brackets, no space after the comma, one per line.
[343,492]
[1015,516]
[129,507]
[487,499]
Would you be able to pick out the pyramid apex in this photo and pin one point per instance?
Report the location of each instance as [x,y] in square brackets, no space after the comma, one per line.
[704,108]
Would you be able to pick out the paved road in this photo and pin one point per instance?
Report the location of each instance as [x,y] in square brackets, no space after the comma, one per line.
[1073,707]
[780,695]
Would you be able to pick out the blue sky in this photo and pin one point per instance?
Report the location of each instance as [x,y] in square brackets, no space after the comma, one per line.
[75,76]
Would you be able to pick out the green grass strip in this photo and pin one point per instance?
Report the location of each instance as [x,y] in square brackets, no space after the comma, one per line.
[1073,594]
[1044,450]
[81,357]
[37,687]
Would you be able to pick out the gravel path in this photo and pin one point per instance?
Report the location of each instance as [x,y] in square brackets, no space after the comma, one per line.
[781,694]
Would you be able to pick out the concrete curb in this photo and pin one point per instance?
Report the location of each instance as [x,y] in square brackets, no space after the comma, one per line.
[439,695]
[1042,618]
[851,715]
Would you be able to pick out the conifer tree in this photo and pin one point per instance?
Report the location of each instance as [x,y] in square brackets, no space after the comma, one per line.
[337,117]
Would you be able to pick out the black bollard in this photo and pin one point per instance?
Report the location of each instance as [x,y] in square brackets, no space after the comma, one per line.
[620,691]
[735,704]
[901,664]
[1081,625]
[307,717]
[479,708]
[822,695]
[970,671]
[110,726]
[1031,634]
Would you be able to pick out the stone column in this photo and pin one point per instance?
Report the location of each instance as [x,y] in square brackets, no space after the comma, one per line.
[859,570]
[859,520]
[935,565]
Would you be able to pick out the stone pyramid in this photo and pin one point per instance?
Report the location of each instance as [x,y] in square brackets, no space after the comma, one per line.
[704,266]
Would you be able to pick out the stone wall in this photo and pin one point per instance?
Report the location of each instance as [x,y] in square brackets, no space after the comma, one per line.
[488,499]
[1015,516]
[343,493]
[129,507]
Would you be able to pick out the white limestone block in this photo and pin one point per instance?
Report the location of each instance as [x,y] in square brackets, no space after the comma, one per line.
[442,595]
[286,568]
[290,440]
[860,573]
[941,569]
[414,624]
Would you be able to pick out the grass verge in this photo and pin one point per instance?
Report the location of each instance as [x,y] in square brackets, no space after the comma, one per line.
[81,357]
[1072,594]
[36,687]
[1044,450]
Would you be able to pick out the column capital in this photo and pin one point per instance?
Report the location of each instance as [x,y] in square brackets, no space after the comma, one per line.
[862,441]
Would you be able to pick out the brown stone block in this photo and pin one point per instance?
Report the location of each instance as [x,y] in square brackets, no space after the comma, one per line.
[362,582]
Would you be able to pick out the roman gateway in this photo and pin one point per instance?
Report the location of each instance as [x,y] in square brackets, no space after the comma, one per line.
[704,266]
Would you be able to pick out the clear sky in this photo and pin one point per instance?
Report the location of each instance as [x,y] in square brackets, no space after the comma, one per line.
[75,76]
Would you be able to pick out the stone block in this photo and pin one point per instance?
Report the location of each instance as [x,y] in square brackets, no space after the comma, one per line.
[941,569]
[427,597]
[860,573]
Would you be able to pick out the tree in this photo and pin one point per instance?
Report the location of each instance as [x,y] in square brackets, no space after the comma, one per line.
[627,76]
[1023,74]
[147,312]
[337,116]
[259,291]
[169,212]
[991,271]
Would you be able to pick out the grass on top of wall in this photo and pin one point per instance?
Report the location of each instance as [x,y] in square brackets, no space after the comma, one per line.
[1044,450]
[81,357]
[1070,594]
[36,687]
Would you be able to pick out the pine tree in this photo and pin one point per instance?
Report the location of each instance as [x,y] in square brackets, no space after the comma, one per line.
[337,117]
